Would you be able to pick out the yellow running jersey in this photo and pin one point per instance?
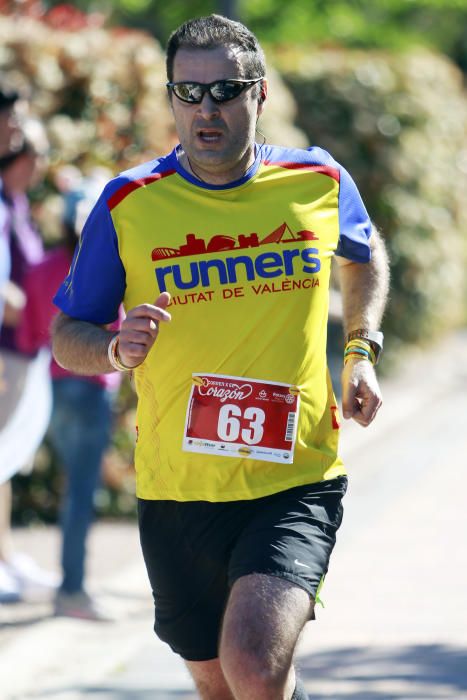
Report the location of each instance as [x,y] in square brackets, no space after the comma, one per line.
[234,399]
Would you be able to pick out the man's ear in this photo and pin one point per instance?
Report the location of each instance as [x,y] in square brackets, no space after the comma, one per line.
[262,95]
[264,91]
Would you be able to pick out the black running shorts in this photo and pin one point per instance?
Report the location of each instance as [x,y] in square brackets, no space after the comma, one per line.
[195,550]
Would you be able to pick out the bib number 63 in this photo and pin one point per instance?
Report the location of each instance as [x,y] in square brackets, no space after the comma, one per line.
[233,422]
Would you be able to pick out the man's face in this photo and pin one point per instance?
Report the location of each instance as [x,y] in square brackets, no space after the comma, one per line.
[217,138]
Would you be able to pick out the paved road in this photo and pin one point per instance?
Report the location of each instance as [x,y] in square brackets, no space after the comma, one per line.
[395,622]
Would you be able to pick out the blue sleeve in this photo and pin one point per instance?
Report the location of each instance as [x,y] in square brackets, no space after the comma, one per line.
[354,222]
[95,285]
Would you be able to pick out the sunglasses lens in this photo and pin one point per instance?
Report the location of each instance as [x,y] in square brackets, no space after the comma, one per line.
[225,90]
[220,91]
[188,92]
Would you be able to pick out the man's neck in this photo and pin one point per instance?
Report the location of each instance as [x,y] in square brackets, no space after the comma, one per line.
[213,177]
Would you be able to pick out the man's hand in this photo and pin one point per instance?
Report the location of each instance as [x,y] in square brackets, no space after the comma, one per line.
[361,395]
[140,329]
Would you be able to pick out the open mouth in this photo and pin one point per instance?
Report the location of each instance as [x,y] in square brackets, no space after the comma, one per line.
[209,135]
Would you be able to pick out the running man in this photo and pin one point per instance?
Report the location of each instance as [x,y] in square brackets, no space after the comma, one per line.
[239,481]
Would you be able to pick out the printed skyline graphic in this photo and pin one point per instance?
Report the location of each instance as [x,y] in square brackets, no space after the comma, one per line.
[220,242]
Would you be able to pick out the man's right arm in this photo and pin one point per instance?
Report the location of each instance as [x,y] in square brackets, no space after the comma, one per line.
[79,346]
[82,347]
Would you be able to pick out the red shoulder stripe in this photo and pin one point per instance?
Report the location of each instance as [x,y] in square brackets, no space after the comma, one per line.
[323,169]
[120,194]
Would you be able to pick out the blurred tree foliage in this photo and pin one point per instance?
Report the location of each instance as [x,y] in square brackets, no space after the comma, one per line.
[393,24]
[399,123]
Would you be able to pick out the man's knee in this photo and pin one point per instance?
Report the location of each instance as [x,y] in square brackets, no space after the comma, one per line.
[255,663]
[262,623]
[254,671]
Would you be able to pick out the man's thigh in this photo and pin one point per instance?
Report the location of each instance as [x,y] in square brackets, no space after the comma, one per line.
[263,620]
[196,552]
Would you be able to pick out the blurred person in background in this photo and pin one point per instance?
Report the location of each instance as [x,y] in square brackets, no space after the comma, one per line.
[24,404]
[9,132]
[11,140]
[80,428]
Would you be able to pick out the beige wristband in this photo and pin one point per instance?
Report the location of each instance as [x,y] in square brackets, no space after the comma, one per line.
[114,357]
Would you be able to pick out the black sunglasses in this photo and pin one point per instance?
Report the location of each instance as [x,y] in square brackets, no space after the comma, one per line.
[219,90]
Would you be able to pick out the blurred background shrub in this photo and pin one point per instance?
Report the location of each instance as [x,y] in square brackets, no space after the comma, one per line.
[398,122]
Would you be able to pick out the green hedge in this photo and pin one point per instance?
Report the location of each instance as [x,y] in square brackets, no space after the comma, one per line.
[399,124]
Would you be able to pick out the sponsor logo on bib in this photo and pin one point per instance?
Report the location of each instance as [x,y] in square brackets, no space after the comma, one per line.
[223,392]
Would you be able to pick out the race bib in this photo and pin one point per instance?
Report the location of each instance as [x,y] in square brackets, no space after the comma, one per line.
[240,417]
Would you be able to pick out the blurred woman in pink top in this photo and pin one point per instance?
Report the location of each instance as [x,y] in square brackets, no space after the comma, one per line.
[80,428]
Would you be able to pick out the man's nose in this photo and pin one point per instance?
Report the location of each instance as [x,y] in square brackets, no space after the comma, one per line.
[207,108]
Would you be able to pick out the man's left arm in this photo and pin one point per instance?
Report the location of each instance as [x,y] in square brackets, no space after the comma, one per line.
[364,288]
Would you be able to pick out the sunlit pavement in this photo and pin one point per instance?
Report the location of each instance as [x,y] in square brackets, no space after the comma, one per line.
[395,621]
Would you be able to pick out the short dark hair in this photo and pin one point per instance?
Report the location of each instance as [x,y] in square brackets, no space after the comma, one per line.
[214,31]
